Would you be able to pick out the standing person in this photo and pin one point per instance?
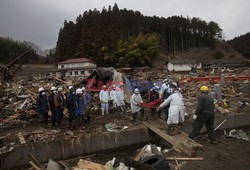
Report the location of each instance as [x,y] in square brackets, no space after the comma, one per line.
[70,103]
[154,94]
[42,107]
[79,106]
[104,98]
[204,114]
[165,109]
[113,97]
[87,99]
[52,104]
[59,103]
[176,110]
[120,99]
[164,86]
[136,105]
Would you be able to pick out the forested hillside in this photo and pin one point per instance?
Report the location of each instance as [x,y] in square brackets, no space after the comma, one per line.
[9,49]
[242,44]
[96,34]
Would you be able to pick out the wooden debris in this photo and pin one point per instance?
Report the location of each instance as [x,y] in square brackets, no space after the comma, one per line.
[178,167]
[88,165]
[36,161]
[21,138]
[34,165]
[184,159]
[177,142]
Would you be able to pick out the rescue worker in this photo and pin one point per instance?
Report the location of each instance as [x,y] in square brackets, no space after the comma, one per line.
[79,106]
[119,95]
[165,109]
[113,97]
[59,103]
[42,107]
[87,99]
[136,105]
[164,86]
[176,110]
[70,103]
[154,95]
[52,104]
[104,99]
[204,114]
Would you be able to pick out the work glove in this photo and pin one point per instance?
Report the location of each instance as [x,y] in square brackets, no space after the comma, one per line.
[194,116]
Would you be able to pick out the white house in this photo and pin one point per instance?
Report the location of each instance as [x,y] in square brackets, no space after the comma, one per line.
[76,67]
[182,65]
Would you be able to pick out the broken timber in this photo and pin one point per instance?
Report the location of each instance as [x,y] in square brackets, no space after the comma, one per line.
[180,141]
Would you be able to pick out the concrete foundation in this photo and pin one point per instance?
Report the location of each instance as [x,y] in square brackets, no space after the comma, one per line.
[73,147]
[233,121]
[96,143]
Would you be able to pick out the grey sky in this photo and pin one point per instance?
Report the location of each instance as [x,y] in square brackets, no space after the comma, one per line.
[39,21]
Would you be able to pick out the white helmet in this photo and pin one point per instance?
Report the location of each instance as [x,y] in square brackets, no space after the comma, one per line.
[78,91]
[41,89]
[114,85]
[70,87]
[83,89]
[104,86]
[137,90]
[53,88]
[60,89]
[175,84]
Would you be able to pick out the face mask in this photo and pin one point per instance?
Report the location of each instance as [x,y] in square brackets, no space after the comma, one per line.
[54,91]
[43,93]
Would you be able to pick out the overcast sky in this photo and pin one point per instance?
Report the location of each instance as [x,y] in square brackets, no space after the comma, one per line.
[39,21]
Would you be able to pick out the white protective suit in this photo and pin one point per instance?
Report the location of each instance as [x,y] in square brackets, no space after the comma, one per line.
[177,108]
[113,97]
[119,95]
[104,98]
[134,100]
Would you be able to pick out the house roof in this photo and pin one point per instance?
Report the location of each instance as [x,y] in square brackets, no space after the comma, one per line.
[75,60]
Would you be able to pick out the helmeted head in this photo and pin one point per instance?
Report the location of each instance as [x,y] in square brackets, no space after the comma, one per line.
[83,89]
[204,89]
[114,86]
[137,91]
[60,89]
[70,87]
[53,88]
[104,87]
[78,91]
[41,90]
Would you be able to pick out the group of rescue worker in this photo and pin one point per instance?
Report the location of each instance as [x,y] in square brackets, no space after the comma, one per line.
[166,99]
[77,101]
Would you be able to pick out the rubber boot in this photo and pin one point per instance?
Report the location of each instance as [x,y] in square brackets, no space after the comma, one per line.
[134,118]
[170,130]
[175,129]
[179,128]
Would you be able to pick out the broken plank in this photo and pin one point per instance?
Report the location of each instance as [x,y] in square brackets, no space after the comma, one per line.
[34,165]
[184,159]
[176,143]
[21,138]
[36,161]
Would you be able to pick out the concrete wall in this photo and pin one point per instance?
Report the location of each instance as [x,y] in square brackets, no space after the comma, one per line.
[73,147]
[233,121]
